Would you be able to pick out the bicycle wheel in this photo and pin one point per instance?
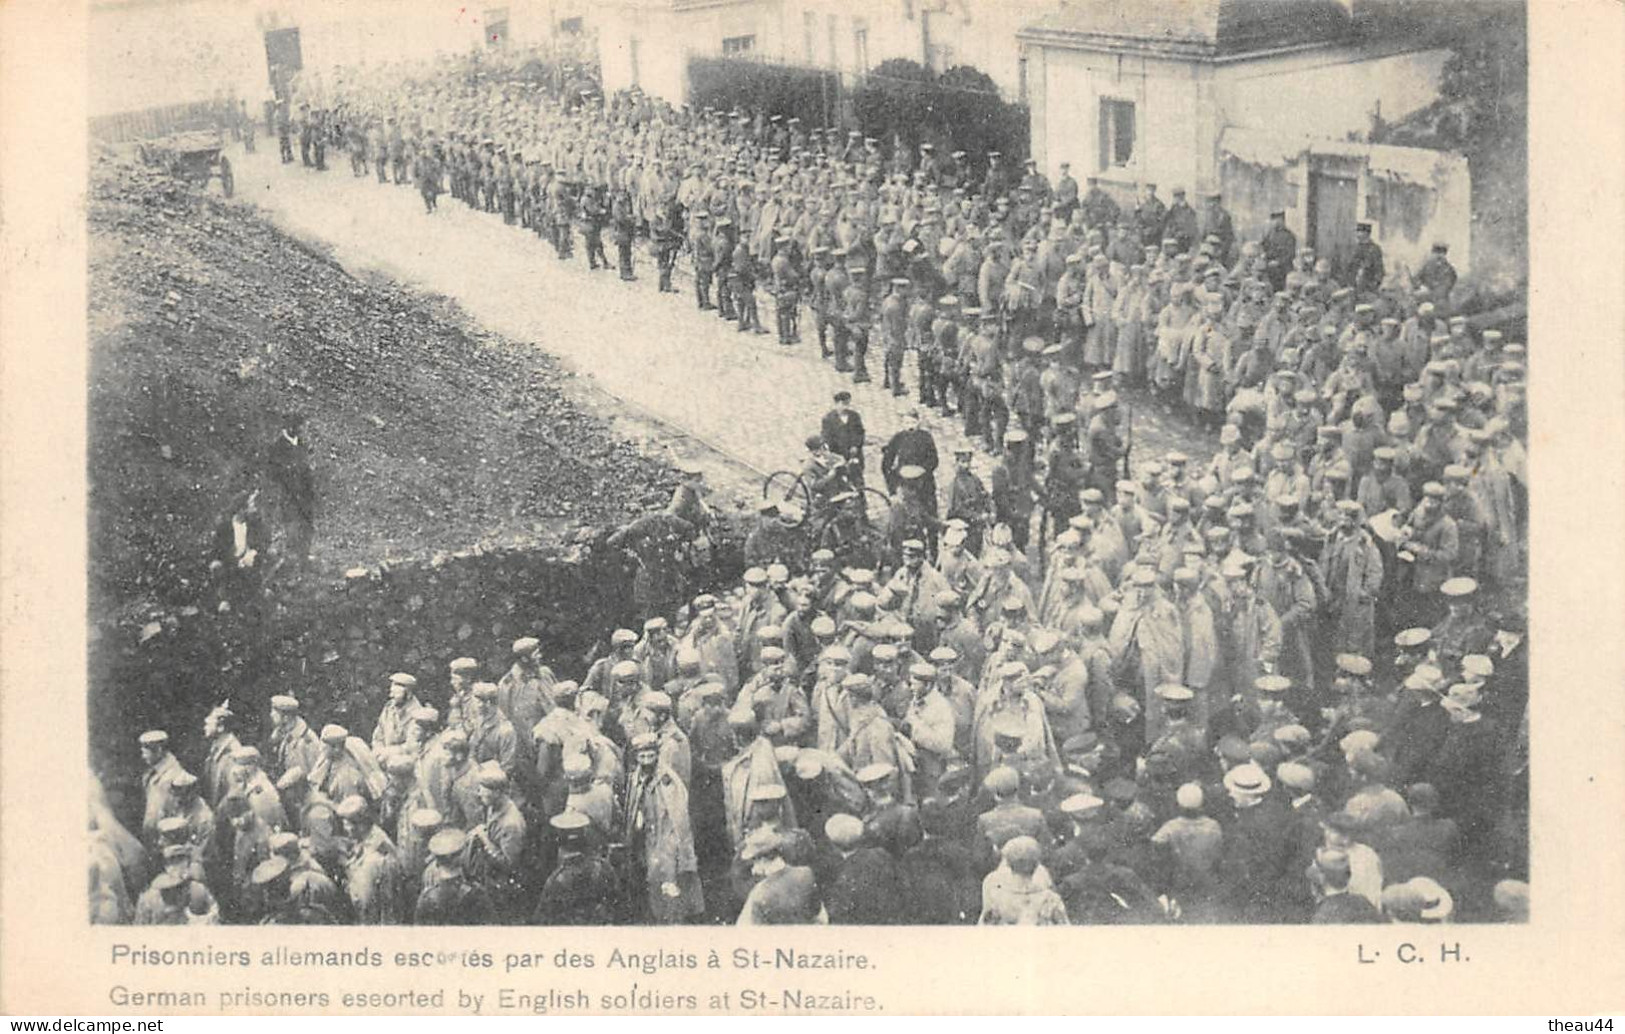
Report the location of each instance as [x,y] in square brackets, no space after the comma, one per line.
[876,506]
[785,489]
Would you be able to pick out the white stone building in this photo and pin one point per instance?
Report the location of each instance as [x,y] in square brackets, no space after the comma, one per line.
[1265,100]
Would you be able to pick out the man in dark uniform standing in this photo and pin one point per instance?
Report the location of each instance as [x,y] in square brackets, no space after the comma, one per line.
[1099,210]
[785,274]
[623,225]
[1365,270]
[1150,217]
[911,446]
[669,234]
[969,501]
[842,429]
[1181,223]
[1279,246]
[1438,275]
[1066,194]
[1105,446]
[855,318]
[1216,222]
[722,245]
[703,251]
[836,282]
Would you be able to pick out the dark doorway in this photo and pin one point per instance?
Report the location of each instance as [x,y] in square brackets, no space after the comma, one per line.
[283,57]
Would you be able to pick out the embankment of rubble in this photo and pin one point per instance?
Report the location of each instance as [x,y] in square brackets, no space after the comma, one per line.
[458,479]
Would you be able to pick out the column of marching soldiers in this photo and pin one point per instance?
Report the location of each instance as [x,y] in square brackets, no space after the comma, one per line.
[1180,703]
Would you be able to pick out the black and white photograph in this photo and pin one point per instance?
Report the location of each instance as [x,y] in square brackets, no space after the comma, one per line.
[753,462]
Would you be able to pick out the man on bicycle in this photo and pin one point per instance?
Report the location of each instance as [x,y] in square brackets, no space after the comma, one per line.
[825,474]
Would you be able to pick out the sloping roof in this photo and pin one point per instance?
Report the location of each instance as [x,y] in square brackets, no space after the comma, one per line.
[1192,28]
[1413,165]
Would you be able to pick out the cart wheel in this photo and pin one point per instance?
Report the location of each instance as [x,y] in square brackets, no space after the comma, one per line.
[786,489]
[227,183]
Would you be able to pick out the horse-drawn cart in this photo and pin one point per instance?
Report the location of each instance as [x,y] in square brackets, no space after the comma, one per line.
[193,156]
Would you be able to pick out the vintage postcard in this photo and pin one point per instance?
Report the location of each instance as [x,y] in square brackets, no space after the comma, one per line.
[504,503]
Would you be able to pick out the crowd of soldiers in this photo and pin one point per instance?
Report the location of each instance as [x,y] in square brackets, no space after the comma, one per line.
[1000,295]
[1163,729]
[1285,685]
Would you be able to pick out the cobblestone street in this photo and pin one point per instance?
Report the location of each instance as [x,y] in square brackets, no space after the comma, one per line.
[742,394]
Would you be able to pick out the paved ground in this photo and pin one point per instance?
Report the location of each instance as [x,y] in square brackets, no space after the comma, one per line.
[742,394]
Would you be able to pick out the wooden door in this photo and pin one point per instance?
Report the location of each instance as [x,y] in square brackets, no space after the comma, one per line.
[1333,202]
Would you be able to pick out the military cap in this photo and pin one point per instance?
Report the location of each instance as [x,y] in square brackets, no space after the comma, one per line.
[485,691]
[283,843]
[455,737]
[267,871]
[1002,781]
[755,576]
[1272,683]
[658,700]
[154,738]
[401,678]
[1353,664]
[822,556]
[351,807]
[284,703]
[527,645]
[1464,694]
[844,830]
[334,734]
[875,773]
[492,776]
[464,665]
[644,741]
[1433,490]
[425,819]
[244,755]
[625,670]
[570,824]
[1190,797]
[1080,804]
[1247,780]
[1175,693]
[1458,587]
[1477,666]
[884,652]
[1512,898]
[1411,638]
[768,791]
[448,843]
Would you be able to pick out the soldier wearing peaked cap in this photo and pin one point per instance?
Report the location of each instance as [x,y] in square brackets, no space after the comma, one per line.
[162,770]
[372,868]
[582,889]
[223,743]
[293,744]
[449,896]
[395,719]
[525,691]
[861,882]
[658,839]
